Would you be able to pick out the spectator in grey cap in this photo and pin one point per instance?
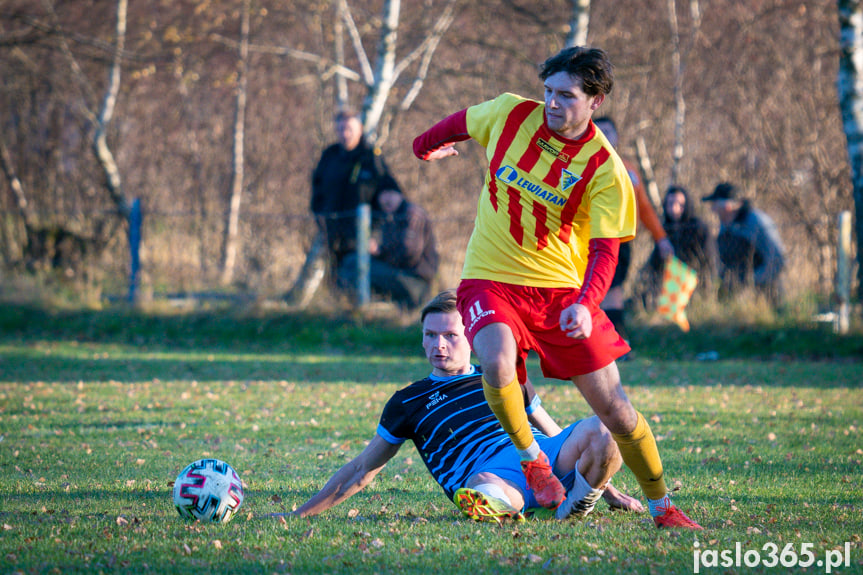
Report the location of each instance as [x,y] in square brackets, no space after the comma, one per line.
[750,249]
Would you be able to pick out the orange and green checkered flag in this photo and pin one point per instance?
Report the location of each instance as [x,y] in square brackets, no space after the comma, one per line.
[678,283]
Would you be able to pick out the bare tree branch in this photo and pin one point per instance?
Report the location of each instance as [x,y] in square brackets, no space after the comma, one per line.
[330,68]
[647,172]
[366,67]
[427,49]
[80,78]
[15,184]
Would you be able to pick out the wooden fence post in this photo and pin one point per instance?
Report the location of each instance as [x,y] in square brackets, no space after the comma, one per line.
[843,272]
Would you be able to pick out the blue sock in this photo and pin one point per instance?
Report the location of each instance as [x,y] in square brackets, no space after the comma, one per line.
[658,506]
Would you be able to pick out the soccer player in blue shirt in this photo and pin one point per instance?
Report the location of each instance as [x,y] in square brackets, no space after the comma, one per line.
[464,447]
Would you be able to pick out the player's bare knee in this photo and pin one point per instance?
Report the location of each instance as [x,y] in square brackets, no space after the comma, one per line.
[612,460]
[499,369]
[602,457]
[619,417]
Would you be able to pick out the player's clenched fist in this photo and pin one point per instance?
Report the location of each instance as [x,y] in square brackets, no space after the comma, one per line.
[576,321]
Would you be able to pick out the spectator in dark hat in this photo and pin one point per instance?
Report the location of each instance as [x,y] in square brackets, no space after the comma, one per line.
[751,252]
[404,258]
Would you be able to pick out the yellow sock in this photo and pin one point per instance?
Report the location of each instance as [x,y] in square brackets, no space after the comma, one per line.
[639,452]
[507,404]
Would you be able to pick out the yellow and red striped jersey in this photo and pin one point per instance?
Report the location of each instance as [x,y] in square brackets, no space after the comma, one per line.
[544,198]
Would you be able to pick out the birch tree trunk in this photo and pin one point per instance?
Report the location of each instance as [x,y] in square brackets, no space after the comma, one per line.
[578,23]
[850,88]
[232,228]
[376,99]
[679,103]
[100,142]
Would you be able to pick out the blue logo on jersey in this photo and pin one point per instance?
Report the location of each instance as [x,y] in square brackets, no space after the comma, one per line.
[506,174]
[509,175]
[568,179]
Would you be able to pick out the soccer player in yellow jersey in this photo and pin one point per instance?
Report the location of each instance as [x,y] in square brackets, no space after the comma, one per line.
[556,203]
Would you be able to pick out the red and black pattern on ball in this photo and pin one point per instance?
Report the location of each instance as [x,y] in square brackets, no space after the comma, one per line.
[191,485]
[236,489]
[193,489]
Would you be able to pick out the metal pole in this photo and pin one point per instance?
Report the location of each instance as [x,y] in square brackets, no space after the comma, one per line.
[134,248]
[364,224]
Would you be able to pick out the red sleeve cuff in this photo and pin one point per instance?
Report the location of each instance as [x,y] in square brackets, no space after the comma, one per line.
[448,131]
[601,264]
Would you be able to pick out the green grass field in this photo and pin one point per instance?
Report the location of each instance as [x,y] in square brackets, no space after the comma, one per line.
[100,411]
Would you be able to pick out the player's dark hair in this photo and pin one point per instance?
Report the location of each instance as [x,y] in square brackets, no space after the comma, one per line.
[444,302]
[590,64]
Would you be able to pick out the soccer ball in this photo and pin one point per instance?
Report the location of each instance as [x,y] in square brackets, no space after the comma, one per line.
[208,490]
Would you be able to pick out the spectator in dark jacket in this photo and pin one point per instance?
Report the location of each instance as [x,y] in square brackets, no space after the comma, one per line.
[346,176]
[693,243]
[404,258]
[750,249]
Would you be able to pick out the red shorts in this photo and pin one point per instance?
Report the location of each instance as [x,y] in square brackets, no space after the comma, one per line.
[533,314]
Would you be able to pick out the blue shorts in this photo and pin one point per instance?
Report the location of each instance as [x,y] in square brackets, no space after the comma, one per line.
[507,464]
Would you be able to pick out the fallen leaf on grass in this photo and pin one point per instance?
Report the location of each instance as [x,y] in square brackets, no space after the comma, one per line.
[217,544]
[534,558]
[122,521]
[186,549]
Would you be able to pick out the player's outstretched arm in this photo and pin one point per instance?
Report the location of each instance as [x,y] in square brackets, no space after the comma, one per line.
[437,142]
[351,478]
